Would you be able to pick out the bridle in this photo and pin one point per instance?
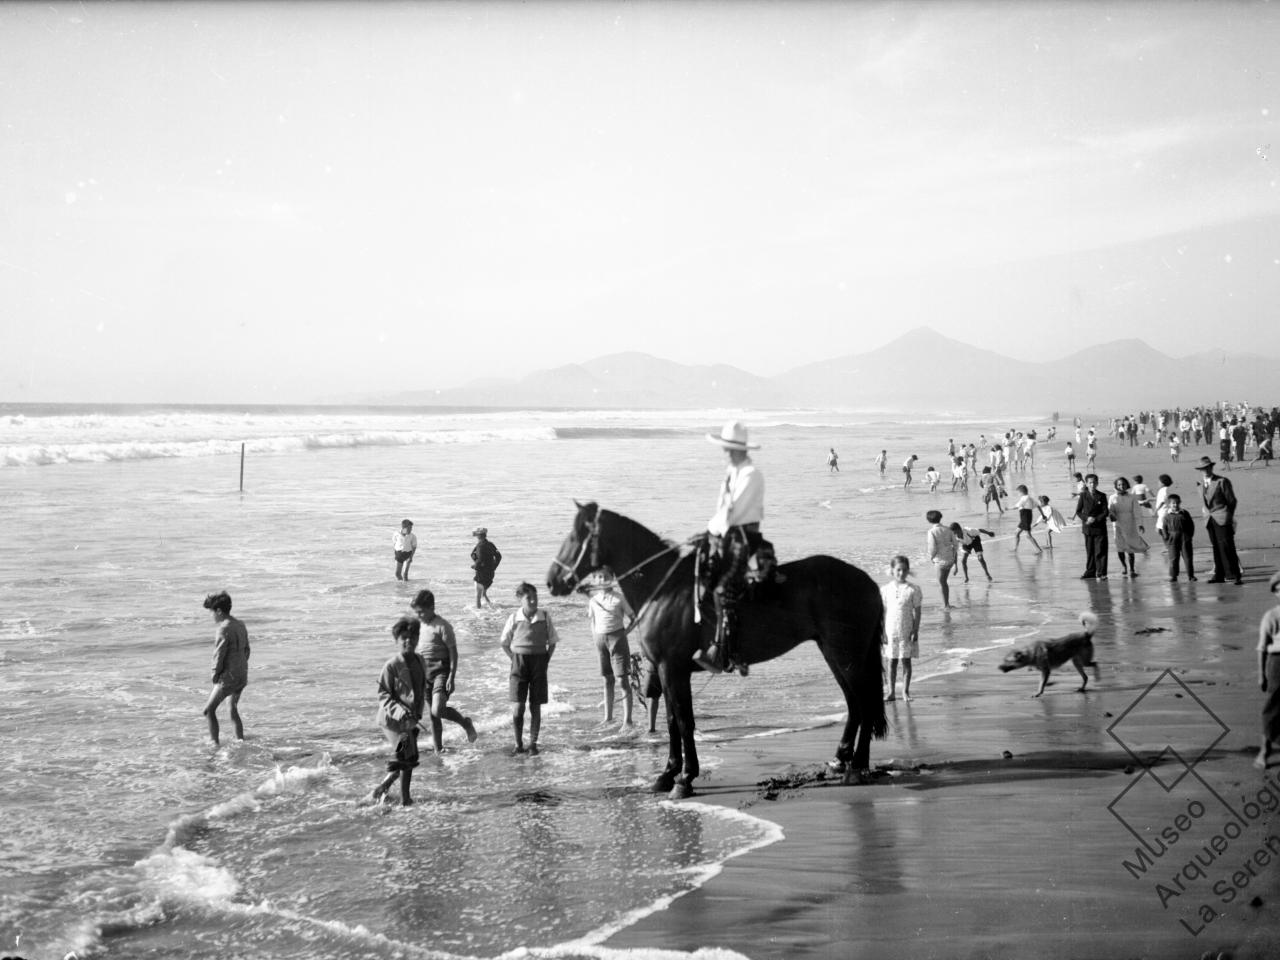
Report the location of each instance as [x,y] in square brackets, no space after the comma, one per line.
[591,542]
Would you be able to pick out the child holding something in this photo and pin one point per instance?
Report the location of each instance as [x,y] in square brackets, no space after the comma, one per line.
[401,695]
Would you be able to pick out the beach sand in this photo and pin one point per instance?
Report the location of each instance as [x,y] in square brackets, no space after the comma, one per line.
[989,830]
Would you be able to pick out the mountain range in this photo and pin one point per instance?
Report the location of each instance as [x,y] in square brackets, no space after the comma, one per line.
[921,371]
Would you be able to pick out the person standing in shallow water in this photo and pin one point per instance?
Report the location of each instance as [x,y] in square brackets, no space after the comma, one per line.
[401,698]
[485,558]
[901,639]
[940,543]
[405,544]
[440,658]
[230,663]
[529,638]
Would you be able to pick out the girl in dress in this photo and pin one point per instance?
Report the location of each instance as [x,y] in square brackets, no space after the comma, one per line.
[901,624]
[1123,507]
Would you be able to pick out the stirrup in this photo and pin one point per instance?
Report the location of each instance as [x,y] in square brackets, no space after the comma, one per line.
[703,659]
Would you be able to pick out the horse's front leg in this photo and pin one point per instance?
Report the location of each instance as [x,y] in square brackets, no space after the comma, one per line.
[675,757]
[680,728]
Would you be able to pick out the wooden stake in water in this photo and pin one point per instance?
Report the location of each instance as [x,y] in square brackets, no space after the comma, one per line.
[242,468]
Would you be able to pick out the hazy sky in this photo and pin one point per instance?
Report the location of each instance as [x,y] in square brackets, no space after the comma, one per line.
[285,202]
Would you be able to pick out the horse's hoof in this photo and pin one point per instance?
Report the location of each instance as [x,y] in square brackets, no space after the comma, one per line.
[681,791]
[664,784]
[852,776]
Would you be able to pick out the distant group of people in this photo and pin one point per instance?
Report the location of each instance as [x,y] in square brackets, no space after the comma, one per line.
[416,686]
[485,557]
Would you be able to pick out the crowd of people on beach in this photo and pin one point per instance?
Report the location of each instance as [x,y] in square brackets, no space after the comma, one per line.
[414,687]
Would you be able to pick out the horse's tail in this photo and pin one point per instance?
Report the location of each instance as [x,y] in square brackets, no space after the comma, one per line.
[871,680]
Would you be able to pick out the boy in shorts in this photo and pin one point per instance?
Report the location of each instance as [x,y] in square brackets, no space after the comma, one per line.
[405,544]
[528,638]
[230,663]
[971,542]
[609,613]
[439,652]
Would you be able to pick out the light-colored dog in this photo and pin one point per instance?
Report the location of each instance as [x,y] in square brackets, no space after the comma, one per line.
[1048,655]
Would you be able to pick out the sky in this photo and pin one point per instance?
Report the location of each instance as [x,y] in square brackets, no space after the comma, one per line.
[289,202]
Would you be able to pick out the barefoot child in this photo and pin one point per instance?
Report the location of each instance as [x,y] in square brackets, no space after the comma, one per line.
[901,641]
[440,657]
[990,490]
[933,477]
[1026,508]
[940,544]
[230,663]
[971,542]
[529,638]
[1052,519]
[401,697]
[609,613]
[404,544]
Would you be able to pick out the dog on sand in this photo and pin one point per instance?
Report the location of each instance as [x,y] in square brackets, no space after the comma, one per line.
[1048,655]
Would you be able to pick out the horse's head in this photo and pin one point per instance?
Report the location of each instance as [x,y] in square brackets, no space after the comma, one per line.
[579,554]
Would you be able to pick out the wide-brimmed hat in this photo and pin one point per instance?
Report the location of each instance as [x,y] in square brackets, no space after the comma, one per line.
[1204,464]
[480,532]
[733,437]
[1275,579]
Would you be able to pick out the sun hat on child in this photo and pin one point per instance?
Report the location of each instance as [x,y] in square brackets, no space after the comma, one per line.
[733,437]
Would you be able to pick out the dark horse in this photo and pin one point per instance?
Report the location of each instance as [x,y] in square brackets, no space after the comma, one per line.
[818,598]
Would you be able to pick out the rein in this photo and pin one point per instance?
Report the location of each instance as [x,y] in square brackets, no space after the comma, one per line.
[591,542]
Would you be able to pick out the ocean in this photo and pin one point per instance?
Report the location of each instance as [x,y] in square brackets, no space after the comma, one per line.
[128,834]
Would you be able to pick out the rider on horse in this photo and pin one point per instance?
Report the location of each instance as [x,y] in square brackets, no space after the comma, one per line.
[735,535]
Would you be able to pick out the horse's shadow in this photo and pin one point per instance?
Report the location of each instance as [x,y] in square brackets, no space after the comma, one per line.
[952,774]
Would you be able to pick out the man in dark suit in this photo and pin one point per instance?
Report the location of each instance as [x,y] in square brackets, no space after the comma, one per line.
[1220,514]
[1091,508]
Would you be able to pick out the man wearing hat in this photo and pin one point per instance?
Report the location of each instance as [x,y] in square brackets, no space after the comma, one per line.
[1220,511]
[484,561]
[735,532]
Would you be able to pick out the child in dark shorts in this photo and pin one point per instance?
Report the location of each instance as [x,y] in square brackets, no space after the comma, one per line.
[971,542]
[528,638]
[401,695]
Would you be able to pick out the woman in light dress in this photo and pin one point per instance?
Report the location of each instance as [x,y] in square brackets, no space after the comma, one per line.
[1123,507]
[901,639]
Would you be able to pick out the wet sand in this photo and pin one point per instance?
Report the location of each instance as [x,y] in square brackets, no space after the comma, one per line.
[988,829]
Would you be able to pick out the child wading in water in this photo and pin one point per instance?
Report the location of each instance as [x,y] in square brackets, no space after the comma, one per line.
[990,490]
[401,696]
[901,639]
[230,663]
[528,638]
[440,658]
[1026,508]
[971,542]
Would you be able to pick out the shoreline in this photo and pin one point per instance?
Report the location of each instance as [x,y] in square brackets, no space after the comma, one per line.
[998,825]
